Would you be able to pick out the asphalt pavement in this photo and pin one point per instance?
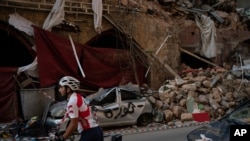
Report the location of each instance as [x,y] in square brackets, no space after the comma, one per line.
[150,128]
[129,130]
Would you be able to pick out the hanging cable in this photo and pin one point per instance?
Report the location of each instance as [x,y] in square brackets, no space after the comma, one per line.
[242,74]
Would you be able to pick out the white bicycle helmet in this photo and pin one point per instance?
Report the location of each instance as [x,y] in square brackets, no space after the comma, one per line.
[72,82]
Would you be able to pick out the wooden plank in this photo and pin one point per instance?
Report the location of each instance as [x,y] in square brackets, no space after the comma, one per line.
[189,53]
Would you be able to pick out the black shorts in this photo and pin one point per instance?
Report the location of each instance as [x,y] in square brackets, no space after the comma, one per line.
[92,134]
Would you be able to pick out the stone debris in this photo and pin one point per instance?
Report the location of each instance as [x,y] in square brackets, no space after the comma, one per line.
[216,91]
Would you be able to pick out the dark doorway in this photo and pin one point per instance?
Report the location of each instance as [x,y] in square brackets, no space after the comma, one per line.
[194,62]
[15,49]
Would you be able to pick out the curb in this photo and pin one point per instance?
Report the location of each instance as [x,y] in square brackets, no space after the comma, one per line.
[127,131]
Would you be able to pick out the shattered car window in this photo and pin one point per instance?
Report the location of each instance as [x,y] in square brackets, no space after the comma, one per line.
[242,115]
[96,98]
[110,98]
[102,94]
[128,95]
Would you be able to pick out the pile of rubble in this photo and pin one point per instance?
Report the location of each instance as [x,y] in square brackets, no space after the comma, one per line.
[216,91]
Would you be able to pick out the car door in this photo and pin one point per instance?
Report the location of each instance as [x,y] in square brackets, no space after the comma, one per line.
[132,106]
[107,109]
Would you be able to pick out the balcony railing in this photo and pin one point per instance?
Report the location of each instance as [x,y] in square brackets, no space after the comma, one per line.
[71,6]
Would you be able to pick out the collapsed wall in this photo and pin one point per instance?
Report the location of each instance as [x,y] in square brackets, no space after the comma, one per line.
[160,28]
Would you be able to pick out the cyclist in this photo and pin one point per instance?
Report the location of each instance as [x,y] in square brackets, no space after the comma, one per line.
[80,114]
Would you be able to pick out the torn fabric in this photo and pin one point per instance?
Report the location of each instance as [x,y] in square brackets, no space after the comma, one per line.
[56,15]
[104,67]
[31,69]
[21,24]
[97,9]
[8,96]
[208,34]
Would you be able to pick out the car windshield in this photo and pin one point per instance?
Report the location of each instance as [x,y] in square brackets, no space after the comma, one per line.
[243,114]
[99,95]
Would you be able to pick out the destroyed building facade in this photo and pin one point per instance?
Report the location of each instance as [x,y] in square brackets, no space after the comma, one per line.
[162,34]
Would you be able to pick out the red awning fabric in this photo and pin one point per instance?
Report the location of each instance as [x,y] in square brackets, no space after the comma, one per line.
[55,57]
[8,96]
[103,67]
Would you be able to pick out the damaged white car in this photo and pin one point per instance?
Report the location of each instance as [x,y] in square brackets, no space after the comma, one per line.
[117,106]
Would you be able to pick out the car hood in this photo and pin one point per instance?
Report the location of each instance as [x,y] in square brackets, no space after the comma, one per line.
[217,131]
[57,110]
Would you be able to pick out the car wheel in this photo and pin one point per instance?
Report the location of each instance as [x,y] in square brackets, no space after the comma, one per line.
[144,119]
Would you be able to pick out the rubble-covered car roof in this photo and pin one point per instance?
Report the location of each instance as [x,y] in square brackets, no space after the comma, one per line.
[220,130]
[98,96]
